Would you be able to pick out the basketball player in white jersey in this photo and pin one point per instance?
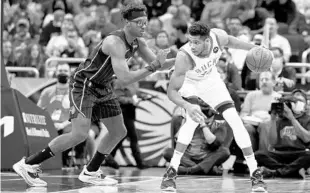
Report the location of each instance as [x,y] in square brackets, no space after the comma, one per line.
[196,74]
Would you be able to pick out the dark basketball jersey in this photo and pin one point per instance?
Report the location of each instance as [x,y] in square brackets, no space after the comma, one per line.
[97,68]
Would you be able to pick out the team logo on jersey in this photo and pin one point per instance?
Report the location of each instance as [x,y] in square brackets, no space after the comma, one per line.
[215,49]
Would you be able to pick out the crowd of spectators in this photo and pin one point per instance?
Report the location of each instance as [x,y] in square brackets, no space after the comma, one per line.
[37,30]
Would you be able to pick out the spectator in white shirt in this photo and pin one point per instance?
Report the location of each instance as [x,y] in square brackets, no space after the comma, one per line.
[277,40]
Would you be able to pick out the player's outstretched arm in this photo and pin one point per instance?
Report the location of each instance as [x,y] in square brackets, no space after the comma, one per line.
[182,65]
[115,47]
[229,41]
[149,56]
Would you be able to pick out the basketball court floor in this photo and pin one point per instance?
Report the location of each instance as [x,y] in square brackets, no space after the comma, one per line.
[148,181]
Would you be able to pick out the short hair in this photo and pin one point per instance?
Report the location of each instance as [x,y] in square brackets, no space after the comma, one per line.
[273,77]
[199,29]
[131,7]
[181,25]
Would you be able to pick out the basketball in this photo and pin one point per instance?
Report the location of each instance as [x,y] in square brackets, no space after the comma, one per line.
[259,59]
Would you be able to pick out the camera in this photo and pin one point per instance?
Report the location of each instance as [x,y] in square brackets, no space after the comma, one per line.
[278,107]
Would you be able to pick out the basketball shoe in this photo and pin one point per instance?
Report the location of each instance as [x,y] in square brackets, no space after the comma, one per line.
[96,178]
[30,173]
[258,184]
[168,182]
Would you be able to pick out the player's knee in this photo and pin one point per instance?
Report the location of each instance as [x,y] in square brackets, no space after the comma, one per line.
[80,136]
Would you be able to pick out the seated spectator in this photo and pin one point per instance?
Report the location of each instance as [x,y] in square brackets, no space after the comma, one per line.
[257,105]
[91,39]
[277,40]
[82,19]
[33,57]
[284,11]
[69,44]
[101,22]
[238,56]
[153,28]
[234,26]
[53,28]
[206,149]
[230,71]
[216,12]
[22,35]
[252,17]
[8,54]
[291,129]
[57,4]
[285,76]
[181,31]
[162,42]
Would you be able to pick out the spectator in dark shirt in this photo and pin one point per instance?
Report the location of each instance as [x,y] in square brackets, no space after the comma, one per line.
[285,76]
[290,153]
[54,27]
[284,11]
[254,18]
[181,30]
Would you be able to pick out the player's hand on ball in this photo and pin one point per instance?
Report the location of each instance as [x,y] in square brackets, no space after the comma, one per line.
[195,113]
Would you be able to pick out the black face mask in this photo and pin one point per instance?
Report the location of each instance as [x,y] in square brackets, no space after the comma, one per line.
[62,78]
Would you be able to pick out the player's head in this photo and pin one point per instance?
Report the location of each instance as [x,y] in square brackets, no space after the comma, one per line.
[136,18]
[199,37]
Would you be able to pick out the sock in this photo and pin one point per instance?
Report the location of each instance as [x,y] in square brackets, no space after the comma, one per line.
[176,159]
[39,157]
[96,162]
[251,162]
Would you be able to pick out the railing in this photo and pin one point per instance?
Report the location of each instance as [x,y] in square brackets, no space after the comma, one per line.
[23,69]
[49,68]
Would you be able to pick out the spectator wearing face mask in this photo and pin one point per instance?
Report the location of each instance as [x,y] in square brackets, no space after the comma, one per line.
[289,152]
[285,76]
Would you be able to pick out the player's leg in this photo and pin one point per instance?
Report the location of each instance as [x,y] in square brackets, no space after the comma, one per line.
[185,136]
[109,113]
[28,168]
[221,101]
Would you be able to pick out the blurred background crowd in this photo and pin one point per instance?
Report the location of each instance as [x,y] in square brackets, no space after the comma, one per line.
[36,30]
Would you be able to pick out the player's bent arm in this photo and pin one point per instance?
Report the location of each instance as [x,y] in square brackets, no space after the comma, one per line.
[182,65]
[148,55]
[229,41]
[116,49]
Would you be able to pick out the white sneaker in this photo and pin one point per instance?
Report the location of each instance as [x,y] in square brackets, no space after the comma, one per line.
[96,178]
[30,173]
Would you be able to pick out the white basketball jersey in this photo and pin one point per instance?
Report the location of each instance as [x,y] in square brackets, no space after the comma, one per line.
[204,67]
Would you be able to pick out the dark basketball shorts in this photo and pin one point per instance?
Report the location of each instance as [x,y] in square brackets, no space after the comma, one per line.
[93,102]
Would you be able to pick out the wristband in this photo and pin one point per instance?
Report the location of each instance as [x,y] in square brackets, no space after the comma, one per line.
[155,65]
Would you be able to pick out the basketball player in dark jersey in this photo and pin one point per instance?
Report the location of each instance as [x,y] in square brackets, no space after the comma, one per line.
[92,97]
